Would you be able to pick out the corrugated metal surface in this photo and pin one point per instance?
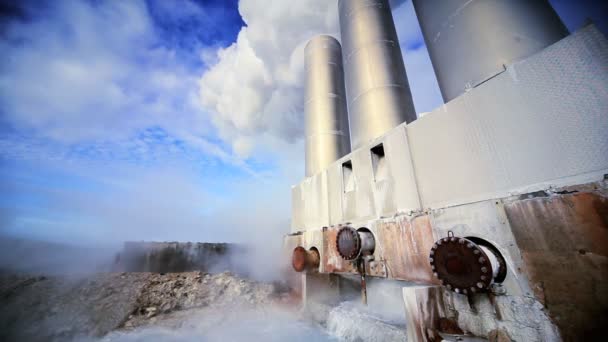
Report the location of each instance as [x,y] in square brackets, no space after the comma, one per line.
[543,120]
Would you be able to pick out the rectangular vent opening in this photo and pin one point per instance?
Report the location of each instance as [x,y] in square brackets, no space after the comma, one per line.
[379,163]
[348,177]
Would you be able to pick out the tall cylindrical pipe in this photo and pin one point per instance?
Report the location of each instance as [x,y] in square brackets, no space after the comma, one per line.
[377,89]
[470,41]
[327,131]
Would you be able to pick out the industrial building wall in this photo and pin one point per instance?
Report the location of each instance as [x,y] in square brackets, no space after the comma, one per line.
[544,121]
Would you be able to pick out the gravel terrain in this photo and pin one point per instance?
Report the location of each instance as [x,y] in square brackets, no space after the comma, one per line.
[59,308]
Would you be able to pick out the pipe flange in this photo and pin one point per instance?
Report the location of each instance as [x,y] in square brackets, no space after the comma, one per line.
[348,243]
[303,260]
[461,265]
[299,259]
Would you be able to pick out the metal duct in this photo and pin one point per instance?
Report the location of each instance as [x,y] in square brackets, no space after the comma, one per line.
[327,134]
[470,41]
[377,90]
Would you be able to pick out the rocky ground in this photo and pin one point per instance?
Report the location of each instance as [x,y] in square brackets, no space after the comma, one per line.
[39,308]
[188,306]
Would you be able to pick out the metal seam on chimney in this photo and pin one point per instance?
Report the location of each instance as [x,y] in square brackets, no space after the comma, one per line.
[471,40]
[377,90]
[327,130]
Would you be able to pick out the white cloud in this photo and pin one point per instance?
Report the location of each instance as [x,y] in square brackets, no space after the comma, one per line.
[82,71]
[77,70]
[93,75]
[255,87]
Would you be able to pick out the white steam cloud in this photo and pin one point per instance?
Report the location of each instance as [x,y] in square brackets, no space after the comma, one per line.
[256,85]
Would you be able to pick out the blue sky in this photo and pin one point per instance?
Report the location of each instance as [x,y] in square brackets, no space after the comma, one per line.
[167,120]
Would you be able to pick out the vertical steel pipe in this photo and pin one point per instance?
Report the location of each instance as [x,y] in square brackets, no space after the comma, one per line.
[470,41]
[327,131]
[377,89]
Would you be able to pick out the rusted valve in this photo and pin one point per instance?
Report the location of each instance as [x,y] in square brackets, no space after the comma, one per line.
[303,260]
[351,243]
[464,266]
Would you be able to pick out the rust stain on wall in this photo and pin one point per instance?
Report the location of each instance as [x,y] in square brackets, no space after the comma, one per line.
[564,245]
[425,311]
[405,248]
[332,261]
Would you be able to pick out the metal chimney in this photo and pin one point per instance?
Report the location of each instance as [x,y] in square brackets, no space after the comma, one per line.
[378,93]
[327,134]
[470,41]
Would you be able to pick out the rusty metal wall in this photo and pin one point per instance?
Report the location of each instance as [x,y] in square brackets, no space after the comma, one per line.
[555,247]
[564,244]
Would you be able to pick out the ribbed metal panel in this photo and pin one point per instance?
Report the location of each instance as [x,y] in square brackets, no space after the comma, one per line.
[377,89]
[470,41]
[327,133]
[543,121]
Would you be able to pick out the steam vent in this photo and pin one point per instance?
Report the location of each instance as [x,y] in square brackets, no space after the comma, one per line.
[490,214]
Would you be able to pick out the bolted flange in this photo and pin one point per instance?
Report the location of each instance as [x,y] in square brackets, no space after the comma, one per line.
[348,243]
[462,265]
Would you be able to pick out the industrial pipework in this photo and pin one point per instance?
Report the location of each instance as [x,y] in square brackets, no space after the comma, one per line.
[358,245]
[303,260]
[327,132]
[466,267]
[352,244]
[378,93]
[470,41]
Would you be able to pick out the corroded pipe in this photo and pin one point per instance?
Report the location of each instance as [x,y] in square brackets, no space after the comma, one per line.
[352,244]
[465,266]
[303,260]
